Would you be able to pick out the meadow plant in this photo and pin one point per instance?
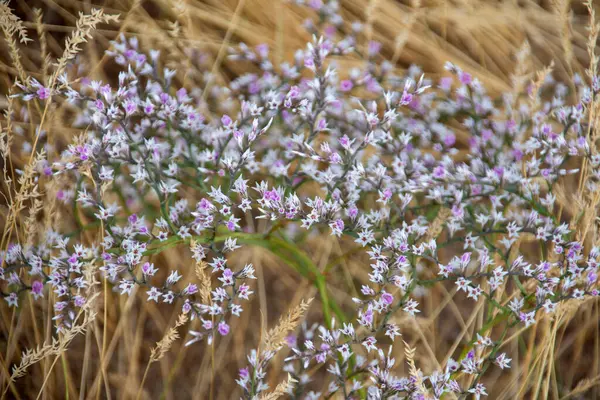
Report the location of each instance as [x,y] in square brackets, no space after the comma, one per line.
[365,154]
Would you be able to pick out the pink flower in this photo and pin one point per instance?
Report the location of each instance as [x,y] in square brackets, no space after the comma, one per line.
[316,4]
[226,120]
[374,47]
[387,298]
[449,139]
[446,83]
[37,288]
[406,98]
[130,107]
[309,63]
[263,50]
[346,85]
[43,93]
[330,31]
[465,78]
[223,328]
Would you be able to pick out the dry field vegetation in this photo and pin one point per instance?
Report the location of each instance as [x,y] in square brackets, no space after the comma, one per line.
[127,347]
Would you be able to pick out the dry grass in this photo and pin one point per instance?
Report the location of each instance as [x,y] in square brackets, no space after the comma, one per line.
[112,353]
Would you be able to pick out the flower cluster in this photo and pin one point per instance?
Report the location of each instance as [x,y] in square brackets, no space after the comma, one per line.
[437,181]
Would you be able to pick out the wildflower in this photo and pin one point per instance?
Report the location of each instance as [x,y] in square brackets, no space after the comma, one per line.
[392,331]
[462,284]
[478,391]
[465,78]
[226,120]
[474,292]
[43,93]
[369,343]
[502,361]
[223,328]
[365,237]
[383,169]
[130,107]
[173,277]
[37,288]
[411,307]
[153,294]
[148,269]
[387,298]
[374,47]
[190,289]
[12,300]
[168,297]
[483,341]
[527,318]
[197,336]
[346,85]
[126,286]
[549,306]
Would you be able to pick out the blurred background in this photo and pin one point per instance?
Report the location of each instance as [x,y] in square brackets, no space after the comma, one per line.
[481,37]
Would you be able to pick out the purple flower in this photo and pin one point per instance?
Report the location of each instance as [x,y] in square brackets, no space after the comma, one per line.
[309,62]
[439,172]
[387,298]
[346,85]
[592,277]
[130,107]
[316,4]
[263,50]
[79,301]
[37,289]
[43,93]
[406,98]
[291,340]
[330,31]
[226,120]
[465,259]
[374,47]
[223,328]
[449,140]
[230,225]
[164,97]
[446,83]
[253,88]
[272,195]
[148,269]
[191,289]
[465,78]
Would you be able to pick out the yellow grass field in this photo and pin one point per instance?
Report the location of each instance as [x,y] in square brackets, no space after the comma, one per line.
[126,347]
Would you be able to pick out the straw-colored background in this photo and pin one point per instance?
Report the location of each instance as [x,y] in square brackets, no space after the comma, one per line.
[481,37]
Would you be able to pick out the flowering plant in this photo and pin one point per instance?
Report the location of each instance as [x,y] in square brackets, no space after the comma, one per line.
[437,182]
